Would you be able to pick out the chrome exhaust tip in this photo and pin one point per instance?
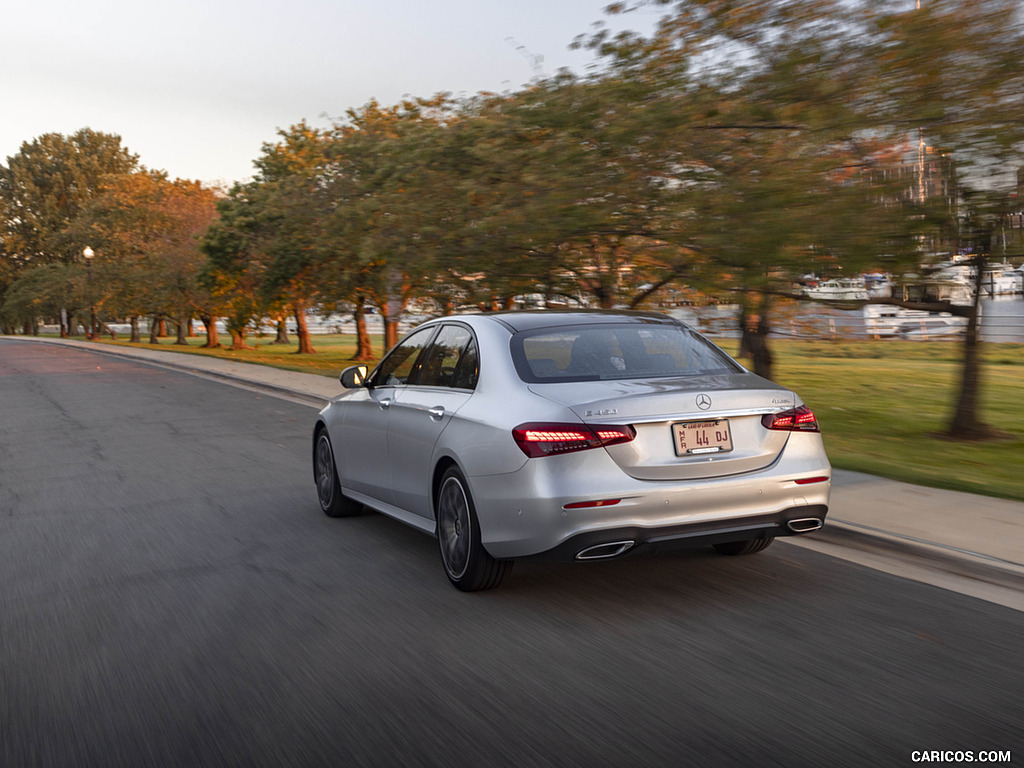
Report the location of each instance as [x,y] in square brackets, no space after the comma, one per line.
[604,551]
[804,524]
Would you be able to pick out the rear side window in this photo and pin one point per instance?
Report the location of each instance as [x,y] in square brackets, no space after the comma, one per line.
[447,363]
[469,367]
[594,352]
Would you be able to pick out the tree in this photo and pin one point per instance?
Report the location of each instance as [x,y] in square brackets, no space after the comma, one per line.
[44,290]
[391,203]
[289,229]
[762,107]
[231,271]
[571,185]
[187,209]
[145,232]
[799,101]
[270,248]
[949,73]
[8,274]
[43,188]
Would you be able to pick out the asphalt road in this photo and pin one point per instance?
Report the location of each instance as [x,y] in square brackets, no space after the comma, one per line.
[172,596]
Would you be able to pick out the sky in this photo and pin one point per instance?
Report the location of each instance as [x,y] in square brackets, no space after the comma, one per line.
[196,87]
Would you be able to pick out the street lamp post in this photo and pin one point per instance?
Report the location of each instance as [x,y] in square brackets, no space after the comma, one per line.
[88,253]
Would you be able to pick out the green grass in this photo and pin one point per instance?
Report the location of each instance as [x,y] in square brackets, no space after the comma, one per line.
[881,404]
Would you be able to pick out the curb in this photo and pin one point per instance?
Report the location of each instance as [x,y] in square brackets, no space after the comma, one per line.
[230,378]
[974,565]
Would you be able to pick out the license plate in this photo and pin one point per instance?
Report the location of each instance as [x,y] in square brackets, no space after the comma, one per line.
[696,437]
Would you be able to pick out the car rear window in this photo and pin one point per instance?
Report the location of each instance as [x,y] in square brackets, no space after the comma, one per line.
[593,352]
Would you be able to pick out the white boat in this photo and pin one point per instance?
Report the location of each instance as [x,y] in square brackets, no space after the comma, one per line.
[840,289]
[1018,278]
[955,280]
[999,280]
[879,286]
[886,322]
[958,269]
[951,281]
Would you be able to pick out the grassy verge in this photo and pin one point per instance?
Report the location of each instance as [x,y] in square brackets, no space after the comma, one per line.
[882,406]
[880,403]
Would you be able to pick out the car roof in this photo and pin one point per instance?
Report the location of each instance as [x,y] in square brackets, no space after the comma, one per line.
[529,320]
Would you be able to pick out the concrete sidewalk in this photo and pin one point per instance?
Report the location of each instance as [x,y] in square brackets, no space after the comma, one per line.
[985,531]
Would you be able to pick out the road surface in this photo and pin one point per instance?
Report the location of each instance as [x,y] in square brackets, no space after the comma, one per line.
[173,596]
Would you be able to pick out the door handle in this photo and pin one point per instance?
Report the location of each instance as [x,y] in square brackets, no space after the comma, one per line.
[436,412]
[384,403]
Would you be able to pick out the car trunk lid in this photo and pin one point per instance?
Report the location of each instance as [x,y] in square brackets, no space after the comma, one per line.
[685,428]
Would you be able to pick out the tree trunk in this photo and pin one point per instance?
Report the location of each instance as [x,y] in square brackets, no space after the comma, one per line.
[762,354]
[603,289]
[390,325]
[238,340]
[392,309]
[745,329]
[154,329]
[364,349]
[391,333]
[133,321]
[183,331]
[302,331]
[754,339]
[212,335]
[282,331]
[966,423]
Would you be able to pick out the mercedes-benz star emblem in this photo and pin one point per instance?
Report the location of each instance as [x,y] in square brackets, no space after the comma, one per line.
[703,402]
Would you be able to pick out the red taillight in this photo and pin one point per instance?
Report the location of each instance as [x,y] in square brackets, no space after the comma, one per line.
[794,420]
[547,439]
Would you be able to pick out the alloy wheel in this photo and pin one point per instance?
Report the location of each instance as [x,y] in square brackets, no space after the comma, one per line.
[454,527]
[324,471]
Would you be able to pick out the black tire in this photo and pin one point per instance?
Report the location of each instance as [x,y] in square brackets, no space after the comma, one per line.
[466,563]
[328,487]
[748,547]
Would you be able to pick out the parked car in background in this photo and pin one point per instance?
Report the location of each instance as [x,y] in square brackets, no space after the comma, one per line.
[579,436]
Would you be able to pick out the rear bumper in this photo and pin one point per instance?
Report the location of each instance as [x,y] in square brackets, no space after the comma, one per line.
[629,540]
[534,511]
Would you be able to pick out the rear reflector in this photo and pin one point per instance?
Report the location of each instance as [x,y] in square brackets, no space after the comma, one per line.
[587,504]
[794,420]
[537,439]
[809,480]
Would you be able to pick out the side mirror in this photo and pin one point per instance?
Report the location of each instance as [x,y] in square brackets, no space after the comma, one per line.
[354,377]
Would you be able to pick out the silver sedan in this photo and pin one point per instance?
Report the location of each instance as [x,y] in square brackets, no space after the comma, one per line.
[569,436]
